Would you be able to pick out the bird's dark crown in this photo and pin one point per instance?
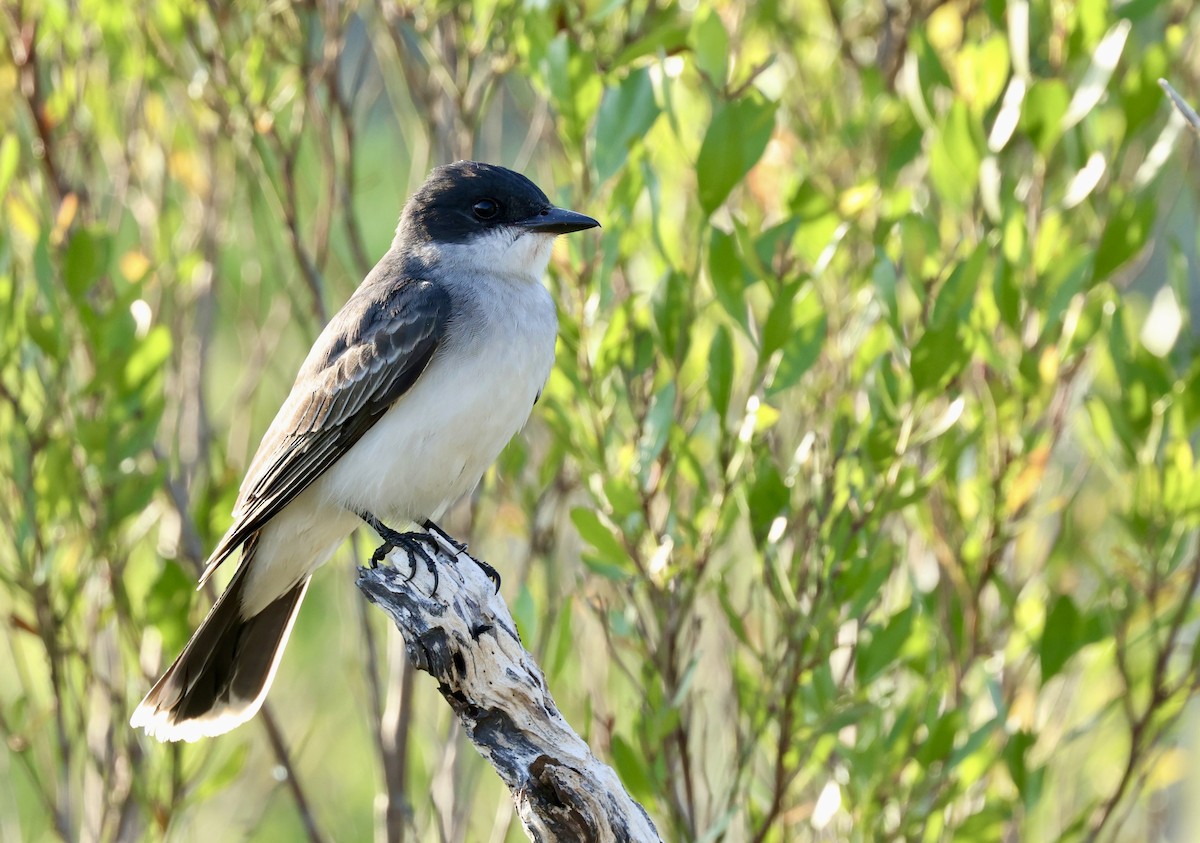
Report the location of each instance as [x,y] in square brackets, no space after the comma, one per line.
[467,198]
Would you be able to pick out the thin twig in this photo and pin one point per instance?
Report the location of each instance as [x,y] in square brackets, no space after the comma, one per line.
[23,46]
[395,730]
[283,758]
[344,104]
[392,725]
[1140,730]
[1189,113]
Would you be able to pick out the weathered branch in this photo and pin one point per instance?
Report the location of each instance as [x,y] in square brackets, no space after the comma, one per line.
[464,636]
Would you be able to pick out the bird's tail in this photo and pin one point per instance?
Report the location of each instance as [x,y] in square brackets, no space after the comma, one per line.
[222,676]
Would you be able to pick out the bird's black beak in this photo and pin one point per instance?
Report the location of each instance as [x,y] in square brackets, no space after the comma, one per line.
[558,221]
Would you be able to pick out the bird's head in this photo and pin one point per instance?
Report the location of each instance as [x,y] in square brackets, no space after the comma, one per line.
[487,216]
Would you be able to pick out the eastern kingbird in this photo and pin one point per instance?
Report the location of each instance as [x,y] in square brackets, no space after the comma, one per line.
[407,397]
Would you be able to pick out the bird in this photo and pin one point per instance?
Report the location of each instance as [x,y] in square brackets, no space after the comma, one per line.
[405,399]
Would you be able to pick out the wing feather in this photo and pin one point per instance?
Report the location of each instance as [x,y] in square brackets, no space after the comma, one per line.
[368,356]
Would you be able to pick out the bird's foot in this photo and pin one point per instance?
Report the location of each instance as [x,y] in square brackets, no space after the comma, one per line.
[461,547]
[423,546]
[415,545]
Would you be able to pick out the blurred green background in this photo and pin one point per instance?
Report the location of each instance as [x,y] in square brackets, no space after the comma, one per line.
[862,503]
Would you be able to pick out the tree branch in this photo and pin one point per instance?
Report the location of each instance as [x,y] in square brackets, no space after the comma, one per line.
[464,636]
[1189,113]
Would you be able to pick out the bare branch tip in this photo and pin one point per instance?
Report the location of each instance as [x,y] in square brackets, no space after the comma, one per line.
[1189,113]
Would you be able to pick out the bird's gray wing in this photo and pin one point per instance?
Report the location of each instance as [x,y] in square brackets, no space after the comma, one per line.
[368,356]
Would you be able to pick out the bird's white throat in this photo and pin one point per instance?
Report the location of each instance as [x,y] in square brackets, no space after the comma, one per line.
[507,252]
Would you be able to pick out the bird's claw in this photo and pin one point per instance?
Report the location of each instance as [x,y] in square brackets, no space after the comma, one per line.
[423,546]
[491,573]
[461,547]
[415,547]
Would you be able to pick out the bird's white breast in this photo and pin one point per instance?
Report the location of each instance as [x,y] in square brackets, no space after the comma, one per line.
[433,445]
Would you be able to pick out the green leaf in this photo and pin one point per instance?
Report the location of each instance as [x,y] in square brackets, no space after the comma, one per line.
[657,428]
[1091,87]
[955,157]
[942,351]
[884,277]
[931,71]
[920,249]
[631,769]
[1007,295]
[773,241]
[860,581]
[562,642]
[729,276]
[614,345]
[1060,637]
[46,333]
[130,494]
[671,306]
[1067,280]
[167,605]
[942,734]
[1141,97]
[885,645]
[777,327]
[931,75]
[803,347]
[575,87]
[734,615]
[735,140]
[626,114]
[766,499]
[605,10]
[1042,113]
[623,496]
[525,614]
[85,261]
[606,569]
[148,357]
[1125,234]
[598,535]
[710,43]
[1015,749]
[720,366]
[983,71]
[667,37]
[223,774]
[954,298]
[938,357]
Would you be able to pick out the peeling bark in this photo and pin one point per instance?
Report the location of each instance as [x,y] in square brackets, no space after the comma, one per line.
[464,636]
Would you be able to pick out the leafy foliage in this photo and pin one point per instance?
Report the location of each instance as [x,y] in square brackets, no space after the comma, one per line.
[862,501]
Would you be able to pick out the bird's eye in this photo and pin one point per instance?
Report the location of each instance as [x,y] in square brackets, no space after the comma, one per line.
[485,209]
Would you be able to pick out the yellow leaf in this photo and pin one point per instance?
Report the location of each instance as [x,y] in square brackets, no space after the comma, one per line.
[134,265]
[8,82]
[264,122]
[1027,482]
[945,28]
[1023,711]
[21,217]
[857,199]
[767,416]
[154,112]
[1048,365]
[66,215]
[186,169]
[1168,768]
